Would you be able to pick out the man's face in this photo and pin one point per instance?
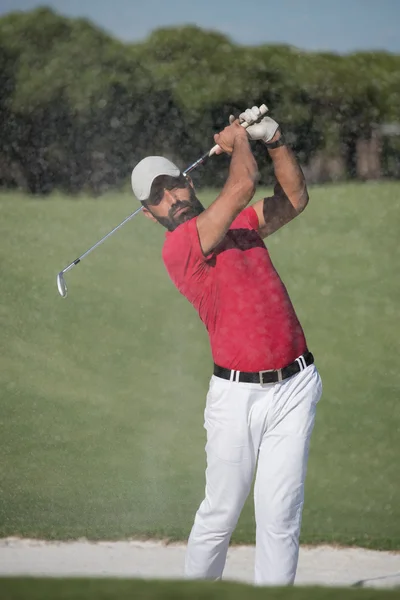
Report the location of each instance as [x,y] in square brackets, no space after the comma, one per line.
[172,202]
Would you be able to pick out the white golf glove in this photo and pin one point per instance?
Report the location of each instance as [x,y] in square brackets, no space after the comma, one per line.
[264,130]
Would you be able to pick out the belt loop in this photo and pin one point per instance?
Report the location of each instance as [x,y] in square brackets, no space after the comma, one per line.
[232,375]
[237,376]
[300,363]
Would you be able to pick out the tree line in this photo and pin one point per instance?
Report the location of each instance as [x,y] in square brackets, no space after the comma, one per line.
[79,108]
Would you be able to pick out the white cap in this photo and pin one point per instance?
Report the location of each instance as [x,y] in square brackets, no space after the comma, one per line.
[147,170]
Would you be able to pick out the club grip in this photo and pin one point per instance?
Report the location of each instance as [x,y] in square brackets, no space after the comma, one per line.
[263,110]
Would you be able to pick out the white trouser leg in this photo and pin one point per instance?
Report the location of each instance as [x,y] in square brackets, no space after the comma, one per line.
[281,471]
[231,457]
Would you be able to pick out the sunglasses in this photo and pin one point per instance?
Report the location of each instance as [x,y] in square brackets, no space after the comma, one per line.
[165,182]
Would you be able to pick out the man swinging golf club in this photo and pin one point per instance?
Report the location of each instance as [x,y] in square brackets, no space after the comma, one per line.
[264,390]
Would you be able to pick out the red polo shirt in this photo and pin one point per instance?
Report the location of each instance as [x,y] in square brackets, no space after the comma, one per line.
[238,294]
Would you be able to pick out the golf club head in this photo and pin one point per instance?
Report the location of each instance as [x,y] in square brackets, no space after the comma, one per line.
[62,286]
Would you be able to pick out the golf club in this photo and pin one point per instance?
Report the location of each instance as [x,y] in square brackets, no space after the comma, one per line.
[61,284]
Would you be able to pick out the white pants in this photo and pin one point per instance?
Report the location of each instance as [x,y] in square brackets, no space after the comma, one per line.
[246,421]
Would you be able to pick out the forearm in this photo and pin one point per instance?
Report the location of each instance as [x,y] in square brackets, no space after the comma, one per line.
[239,188]
[243,171]
[289,175]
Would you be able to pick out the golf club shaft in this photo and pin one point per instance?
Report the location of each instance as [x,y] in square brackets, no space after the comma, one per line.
[263,110]
[198,162]
[76,261]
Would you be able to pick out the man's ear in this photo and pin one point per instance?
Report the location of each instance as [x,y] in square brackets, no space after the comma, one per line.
[148,214]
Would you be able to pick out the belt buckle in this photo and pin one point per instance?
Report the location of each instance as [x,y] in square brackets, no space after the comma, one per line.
[261,373]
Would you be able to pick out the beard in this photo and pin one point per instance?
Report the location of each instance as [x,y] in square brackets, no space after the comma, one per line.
[189,209]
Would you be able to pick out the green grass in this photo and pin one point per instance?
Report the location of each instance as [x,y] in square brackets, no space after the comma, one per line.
[102,394]
[109,589]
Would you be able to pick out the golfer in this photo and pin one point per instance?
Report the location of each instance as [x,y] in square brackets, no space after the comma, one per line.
[264,389]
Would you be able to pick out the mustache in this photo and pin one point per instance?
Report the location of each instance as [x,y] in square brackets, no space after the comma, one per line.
[177,206]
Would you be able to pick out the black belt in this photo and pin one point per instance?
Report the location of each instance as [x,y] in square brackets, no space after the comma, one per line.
[263,377]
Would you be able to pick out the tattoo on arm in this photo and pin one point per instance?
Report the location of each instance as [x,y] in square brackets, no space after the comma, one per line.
[277,211]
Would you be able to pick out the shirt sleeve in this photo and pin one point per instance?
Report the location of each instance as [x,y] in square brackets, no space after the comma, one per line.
[248,217]
[184,259]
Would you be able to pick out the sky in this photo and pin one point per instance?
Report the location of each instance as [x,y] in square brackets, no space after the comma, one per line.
[340,26]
